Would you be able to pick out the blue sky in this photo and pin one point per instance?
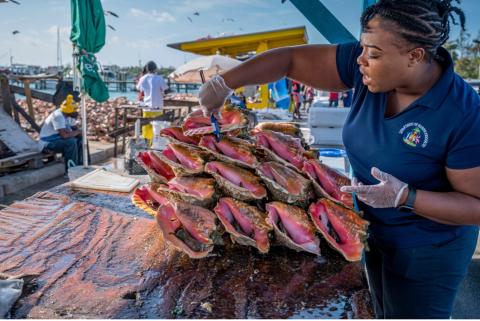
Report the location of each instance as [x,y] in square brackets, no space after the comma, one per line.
[146,26]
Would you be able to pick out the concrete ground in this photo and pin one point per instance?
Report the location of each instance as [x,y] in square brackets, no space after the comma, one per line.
[29,191]
[19,185]
[466,305]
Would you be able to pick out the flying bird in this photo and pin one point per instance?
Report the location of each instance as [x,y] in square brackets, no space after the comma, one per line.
[112,28]
[196,13]
[189,19]
[14,1]
[108,12]
[283,1]
[14,32]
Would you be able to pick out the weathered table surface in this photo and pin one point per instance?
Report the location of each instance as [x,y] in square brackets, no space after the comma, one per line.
[97,256]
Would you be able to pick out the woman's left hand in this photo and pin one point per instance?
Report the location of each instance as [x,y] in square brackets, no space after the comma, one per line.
[388,193]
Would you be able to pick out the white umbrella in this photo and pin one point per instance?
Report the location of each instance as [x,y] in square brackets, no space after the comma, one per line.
[192,71]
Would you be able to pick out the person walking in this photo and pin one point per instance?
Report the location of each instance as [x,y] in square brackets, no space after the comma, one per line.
[412,138]
[333,99]
[297,98]
[152,88]
[347,98]
[309,93]
[59,134]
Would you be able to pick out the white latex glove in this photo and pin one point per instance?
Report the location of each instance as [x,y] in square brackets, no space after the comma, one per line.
[387,193]
[212,95]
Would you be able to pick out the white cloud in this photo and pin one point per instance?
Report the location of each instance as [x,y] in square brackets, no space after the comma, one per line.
[158,16]
[114,40]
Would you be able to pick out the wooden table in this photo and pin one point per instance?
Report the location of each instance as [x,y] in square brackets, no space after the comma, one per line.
[180,108]
[97,256]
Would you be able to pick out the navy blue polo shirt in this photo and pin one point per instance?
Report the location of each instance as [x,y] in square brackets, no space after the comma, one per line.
[440,129]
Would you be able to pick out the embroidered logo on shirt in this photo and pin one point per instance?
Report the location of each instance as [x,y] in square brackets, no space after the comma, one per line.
[414,134]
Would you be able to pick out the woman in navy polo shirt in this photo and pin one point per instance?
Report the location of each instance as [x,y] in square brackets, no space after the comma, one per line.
[412,138]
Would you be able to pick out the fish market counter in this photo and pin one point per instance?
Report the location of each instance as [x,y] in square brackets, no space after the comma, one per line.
[97,256]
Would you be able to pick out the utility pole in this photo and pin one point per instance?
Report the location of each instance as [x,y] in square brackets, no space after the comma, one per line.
[59,51]
[11,58]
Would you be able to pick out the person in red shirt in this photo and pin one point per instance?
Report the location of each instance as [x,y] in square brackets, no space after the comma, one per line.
[333,99]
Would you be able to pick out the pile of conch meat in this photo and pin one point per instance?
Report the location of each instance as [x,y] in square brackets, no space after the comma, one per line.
[257,187]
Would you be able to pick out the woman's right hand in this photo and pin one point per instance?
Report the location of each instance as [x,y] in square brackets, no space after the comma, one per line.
[213,94]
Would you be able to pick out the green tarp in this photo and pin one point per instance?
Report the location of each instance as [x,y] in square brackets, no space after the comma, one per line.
[88,34]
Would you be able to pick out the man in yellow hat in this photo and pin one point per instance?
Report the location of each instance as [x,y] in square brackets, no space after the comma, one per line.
[60,135]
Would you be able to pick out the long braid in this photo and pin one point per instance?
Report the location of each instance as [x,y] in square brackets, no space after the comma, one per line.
[425,23]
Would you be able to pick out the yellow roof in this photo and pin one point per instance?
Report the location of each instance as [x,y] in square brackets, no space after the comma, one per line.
[246,43]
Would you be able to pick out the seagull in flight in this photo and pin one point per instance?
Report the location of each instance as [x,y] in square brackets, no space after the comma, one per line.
[13,1]
[108,12]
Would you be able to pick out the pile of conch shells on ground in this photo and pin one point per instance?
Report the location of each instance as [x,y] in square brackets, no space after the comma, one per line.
[100,121]
[260,186]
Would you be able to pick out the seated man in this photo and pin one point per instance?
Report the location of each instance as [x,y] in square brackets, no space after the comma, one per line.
[59,134]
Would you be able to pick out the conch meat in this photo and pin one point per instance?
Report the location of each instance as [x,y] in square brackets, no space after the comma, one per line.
[327,182]
[191,189]
[158,170]
[175,135]
[246,224]
[283,148]
[231,150]
[230,119]
[286,128]
[149,199]
[236,182]
[183,159]
[343,228]
[292,227]
[285,184]
[191,229]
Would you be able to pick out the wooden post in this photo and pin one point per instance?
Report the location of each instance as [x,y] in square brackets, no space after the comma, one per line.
[28,96]
[5,95]
[22,112]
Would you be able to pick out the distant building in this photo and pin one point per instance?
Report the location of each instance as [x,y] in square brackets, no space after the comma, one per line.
[21,69]
[52,70]
[109,72]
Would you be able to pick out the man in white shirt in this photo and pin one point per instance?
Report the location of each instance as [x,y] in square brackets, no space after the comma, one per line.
[59,134]
[153,87]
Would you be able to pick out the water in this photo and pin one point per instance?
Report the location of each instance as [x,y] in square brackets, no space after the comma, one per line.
[130,95]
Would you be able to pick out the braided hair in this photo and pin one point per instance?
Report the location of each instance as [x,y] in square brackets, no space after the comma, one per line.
[424,23]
